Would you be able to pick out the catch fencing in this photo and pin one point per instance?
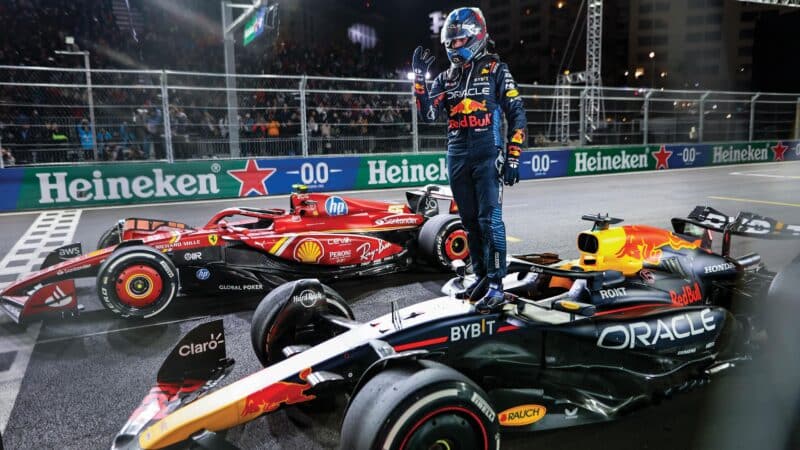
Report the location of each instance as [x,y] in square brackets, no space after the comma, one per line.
[168,115]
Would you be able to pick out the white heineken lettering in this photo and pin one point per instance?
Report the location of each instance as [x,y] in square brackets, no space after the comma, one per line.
[737,155]
[80,190]
[382,173]
[647,334]
[584,162]
[55,187]
[45,187]
[142,187]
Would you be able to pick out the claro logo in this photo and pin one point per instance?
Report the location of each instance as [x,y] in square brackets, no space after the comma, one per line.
[214,341]
[522,415]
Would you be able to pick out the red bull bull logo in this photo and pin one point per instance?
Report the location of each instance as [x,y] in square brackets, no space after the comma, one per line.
[468,106]
[645,243]
[281,393]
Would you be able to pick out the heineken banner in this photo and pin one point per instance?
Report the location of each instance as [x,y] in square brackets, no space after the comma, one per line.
[25,188]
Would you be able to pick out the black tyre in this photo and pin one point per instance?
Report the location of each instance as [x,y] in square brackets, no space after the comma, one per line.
[424,405]
[282,318]
[112,236]
[137,281]
[442,239]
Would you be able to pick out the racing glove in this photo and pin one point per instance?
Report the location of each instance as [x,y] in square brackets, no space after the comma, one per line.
[511,165]
[420,63]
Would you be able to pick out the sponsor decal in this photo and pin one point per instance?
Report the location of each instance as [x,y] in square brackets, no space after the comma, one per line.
[308,298]
[484,406]
[73,269]
[518,137]
[396,209]
[58,299]
[648,334]
[470,122]
[202,274]
[214,341]
[167,269]
[687,296]
[335,206]
[398,220]
[472,330]
[522,415]
[731,154]
[662,158]
[724,267]
[367,253]
[341,255]
[382,172]
[273,396]
[571,413]
[468,105]
[647,276]
[309,251]
[213,239]
[645,243]
[178,244]
[69,252]
[242,287]
[603,161]
[193,256]
[60,187]
[339,241]
[612,293]
[252,179]
[512,93]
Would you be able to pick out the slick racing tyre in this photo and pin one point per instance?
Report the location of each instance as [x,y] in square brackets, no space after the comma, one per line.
[137,281]
[424,405]
[291,315]
[111,237]
[442,239]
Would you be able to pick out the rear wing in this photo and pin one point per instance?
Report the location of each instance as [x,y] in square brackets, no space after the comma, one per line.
[744,224]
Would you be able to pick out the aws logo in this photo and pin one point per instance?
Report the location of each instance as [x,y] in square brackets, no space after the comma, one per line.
[522,415]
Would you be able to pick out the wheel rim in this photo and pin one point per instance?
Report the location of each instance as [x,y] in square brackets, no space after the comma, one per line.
[455,246]
[139,286]
[451,428]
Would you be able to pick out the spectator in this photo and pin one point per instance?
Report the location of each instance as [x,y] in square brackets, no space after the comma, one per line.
[8,158]
[85,135]
[273,127]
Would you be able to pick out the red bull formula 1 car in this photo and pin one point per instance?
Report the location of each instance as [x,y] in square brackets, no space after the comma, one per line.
[643,313]
[142,264]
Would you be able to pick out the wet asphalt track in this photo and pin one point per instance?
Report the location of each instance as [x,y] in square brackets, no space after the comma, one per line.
[86,375]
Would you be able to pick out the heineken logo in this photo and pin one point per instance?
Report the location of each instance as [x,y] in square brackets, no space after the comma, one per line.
[381,172]
[56,187]
[731,154]
[602,161]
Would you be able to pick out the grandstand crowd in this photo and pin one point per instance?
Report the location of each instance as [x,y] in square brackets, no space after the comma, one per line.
[50,122]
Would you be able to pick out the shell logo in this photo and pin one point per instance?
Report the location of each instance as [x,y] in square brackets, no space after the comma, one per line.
[521,415]
[308,251]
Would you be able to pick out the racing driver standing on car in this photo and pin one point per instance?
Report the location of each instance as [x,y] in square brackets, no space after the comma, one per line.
[473,93]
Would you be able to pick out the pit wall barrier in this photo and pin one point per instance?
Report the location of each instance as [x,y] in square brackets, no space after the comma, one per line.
[43,187]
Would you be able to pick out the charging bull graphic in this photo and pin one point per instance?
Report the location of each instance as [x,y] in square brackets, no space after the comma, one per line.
[281,393]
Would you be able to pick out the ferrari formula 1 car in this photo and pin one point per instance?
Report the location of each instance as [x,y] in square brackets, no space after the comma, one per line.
[142,264]
[643,313]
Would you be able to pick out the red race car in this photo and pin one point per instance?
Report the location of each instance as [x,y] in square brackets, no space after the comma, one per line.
[142,264]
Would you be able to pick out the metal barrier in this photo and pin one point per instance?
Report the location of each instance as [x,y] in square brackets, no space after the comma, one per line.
[169,115]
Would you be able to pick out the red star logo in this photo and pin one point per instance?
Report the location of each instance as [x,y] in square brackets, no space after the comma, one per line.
[662,158]
[252,178]
[779,150]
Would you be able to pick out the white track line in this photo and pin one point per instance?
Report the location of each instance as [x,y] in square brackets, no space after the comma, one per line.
[50,230]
